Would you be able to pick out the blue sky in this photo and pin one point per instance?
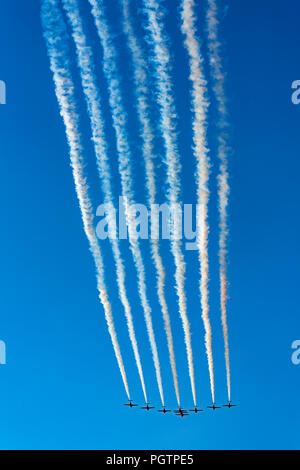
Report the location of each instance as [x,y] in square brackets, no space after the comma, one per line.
[61,388]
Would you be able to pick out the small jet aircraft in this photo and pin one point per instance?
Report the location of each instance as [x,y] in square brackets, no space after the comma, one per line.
[196,410]
[181,412]
[164,410]
[214,407]
[130,404]
[147,407]
[229,405]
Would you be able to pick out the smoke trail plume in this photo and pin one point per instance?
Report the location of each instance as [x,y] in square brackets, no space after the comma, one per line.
[120,126]
[143,109]
[199,110]
[223,177]
[161,61]
[56,41]
[92,96]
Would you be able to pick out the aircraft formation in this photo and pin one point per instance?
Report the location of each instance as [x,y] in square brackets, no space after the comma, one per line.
[179,411]
[150,76]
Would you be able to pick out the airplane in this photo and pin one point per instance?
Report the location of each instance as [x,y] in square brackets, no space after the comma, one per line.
[181,412]
[164,410]
[229,405]
[214,407]
[147,407]
[130,404]
[196,410]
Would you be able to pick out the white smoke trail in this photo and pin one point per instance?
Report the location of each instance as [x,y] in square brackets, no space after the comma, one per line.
[56,41]
[199,109]
[161,61]
[92,96]
[223,177]
[120,124]
[142,103]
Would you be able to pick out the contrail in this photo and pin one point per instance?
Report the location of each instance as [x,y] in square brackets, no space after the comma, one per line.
[199,109]
[120,126]
[56,40]
[92,96]
[161,61]
[142,104]
[223,177]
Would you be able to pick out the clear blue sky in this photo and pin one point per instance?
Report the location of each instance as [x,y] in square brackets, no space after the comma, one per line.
[61,387]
